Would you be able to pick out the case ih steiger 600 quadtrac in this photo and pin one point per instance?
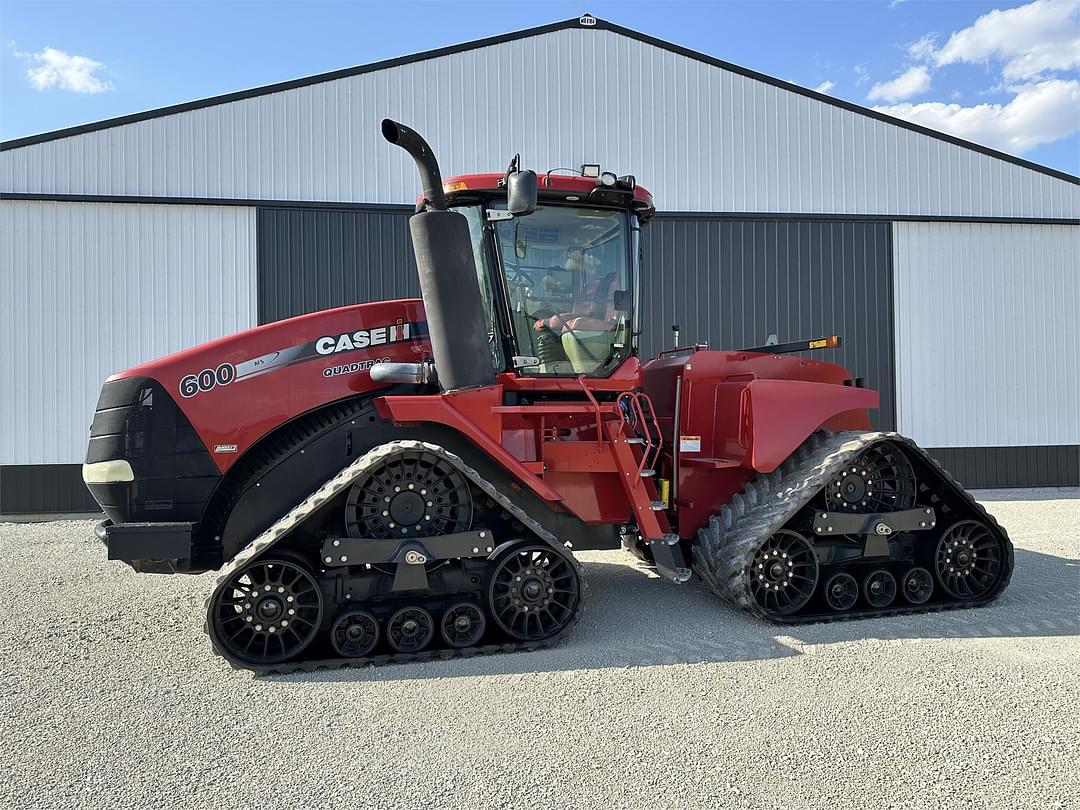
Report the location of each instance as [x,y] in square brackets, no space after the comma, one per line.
[409,479]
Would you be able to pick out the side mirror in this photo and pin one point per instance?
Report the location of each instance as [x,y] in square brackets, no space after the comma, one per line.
[521,193]
[622,300]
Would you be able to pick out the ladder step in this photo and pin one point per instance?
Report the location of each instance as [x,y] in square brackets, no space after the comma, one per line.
[635,440]
[648,473]
[658,506]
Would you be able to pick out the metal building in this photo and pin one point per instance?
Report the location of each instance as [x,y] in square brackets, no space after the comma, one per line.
[950,269]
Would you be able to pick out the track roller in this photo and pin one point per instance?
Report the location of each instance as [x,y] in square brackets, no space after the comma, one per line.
[462,625]
[841,591]
[879,588]
[355,634]
[917,586]
[410,629]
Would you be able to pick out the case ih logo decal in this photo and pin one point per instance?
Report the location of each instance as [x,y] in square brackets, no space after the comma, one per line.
[361,339]
[397,332]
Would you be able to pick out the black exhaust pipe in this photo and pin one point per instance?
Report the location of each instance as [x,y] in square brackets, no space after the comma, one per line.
[418,148]
[457,323]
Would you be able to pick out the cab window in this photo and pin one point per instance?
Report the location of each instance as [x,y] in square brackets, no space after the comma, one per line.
[567,276]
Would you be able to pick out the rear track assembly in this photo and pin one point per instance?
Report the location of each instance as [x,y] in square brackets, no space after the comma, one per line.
[918,542]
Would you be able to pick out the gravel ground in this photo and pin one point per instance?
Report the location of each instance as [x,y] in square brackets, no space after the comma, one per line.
[662,697]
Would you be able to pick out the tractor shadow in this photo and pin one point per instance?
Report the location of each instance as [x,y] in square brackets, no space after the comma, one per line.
[635,619]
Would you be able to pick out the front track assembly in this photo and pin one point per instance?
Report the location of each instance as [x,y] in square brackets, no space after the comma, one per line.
[434,562]
[853,525]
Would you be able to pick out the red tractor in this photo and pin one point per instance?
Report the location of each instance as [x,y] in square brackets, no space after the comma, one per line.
[409,479]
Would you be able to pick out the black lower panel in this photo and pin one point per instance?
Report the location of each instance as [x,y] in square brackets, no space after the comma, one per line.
[996,467]
[44,488]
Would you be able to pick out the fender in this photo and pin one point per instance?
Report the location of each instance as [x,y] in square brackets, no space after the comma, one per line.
[778,415]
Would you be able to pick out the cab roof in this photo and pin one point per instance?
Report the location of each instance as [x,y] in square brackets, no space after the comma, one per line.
[571,188]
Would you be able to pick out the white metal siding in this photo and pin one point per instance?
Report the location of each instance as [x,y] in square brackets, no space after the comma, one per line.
[700,137]
[987,333]
[86,290]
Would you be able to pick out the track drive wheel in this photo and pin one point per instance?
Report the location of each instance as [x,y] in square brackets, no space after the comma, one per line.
[533,591]
[266,612]
[880,479]
[411,494]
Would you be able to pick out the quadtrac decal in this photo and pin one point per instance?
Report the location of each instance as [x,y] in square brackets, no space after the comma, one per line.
[326,346]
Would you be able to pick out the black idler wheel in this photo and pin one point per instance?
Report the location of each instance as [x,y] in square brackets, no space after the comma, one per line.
[268,611]
[968,560]
[355,634]
[411,494]
[917,586]
[784,573]
[410,629]
[533,591]
[462,625]
[879,588]
[880,479]
[841,591]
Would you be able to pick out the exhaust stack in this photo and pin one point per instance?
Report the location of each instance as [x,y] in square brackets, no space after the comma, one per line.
[457,323]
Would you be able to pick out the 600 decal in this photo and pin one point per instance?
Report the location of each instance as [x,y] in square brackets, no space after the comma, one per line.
[207,379]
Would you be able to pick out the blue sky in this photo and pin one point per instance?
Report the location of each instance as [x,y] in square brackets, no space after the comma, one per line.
[1000,73]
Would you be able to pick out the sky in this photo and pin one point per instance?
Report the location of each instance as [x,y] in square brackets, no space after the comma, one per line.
[1003,74]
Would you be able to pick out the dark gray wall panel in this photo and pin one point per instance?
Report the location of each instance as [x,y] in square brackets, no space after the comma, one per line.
[732,283]
[44,488]
[312,259]
[991,467]
[729,282]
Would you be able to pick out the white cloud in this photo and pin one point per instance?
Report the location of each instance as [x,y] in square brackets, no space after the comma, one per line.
[1041,112]
[1031,39]
[825,87]
[924,48]
[911,82]
[862,74]
[56,68]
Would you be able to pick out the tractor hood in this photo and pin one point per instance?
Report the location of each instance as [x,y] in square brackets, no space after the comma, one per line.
[236,389]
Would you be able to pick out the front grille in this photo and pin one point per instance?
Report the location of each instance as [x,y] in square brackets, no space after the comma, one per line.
[138,421]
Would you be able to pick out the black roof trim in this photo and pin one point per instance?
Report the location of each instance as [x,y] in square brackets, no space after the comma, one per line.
[396,208]
[574,22]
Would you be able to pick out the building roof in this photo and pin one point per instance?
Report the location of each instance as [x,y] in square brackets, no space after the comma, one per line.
[585,21]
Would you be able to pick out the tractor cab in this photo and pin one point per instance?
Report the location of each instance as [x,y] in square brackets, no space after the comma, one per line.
[557,267]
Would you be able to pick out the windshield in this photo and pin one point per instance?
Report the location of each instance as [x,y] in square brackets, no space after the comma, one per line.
[567,276]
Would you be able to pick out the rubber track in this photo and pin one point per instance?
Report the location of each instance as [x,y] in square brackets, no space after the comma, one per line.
[725,547]
[334,487]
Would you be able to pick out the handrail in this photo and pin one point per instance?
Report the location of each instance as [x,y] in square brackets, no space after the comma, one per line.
[596,405]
